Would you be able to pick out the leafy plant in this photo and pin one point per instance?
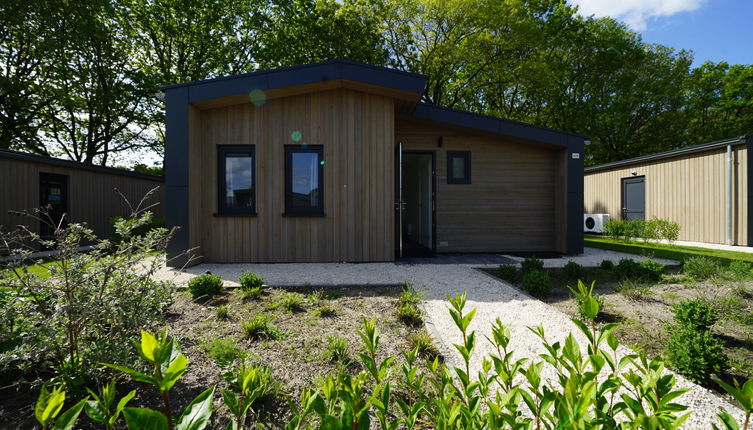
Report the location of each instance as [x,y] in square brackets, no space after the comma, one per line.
[669,230]
[252,383]
[224,351]
[162,354]
[589,303]
[531,264]
[695,314]
[253,293]
[409,294]
[222,312]
[249,280]
[259,328]
[573,270]
[537,283]
[628,269]
[410,314]
[50,404]
[744,397]
[507,272]
[337,349]
[424,346]
[291,302]
[634,291]
[693,350]
[606,264]
[103,408]
[325,311]
[652,269]
[740,269]
[205,286]
[700,267]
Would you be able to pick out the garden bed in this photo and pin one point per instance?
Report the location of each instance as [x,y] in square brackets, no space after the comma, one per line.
[644,309]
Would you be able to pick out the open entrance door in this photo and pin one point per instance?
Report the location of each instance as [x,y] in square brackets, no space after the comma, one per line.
[416,211]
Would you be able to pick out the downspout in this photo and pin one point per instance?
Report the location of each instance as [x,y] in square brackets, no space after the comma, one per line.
[729,195]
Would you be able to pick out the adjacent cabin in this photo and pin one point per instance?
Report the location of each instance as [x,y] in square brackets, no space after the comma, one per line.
[341,162]
[705,188]
[85,193]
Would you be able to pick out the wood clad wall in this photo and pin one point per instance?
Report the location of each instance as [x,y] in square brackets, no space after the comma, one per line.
[91,195]
[690,190]
[356,131]
[510,204]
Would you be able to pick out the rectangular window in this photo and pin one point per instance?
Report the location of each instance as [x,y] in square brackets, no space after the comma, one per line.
[304,179]
[458,167]
[237,190]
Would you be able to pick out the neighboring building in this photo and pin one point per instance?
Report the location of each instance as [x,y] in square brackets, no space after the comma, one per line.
[299,165]
[85,192]
[689,186]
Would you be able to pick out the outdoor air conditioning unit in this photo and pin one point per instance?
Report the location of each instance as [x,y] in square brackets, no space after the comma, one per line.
[594,223]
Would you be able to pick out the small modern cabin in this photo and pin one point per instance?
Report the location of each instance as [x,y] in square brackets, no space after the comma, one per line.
[705,188]
[83,192]
[340,161]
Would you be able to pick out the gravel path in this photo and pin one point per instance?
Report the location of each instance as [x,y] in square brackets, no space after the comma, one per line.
[492,299]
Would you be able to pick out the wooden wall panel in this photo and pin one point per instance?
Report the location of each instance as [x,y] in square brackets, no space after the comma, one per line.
[510,204]
[355,130]
[91,195]
[690,190]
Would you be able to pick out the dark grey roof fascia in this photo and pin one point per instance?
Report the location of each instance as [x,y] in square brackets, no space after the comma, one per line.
[301,75]
[668,154]
[7,153]
[492,124]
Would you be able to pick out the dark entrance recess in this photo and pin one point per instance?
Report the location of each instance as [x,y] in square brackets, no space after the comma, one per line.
[53,195]
[416,204]
[634,198]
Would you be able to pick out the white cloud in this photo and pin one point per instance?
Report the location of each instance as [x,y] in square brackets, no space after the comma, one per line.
[636,13]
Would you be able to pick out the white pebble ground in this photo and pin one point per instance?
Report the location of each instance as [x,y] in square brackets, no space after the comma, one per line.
[492,299]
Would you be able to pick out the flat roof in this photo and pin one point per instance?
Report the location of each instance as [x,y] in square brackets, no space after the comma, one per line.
[42,159]
[668,154]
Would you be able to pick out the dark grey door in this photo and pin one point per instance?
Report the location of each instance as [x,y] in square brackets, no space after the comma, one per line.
[634,198]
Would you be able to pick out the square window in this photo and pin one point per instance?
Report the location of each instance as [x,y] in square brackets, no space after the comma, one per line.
[458,167]
[237,189]
[304,180]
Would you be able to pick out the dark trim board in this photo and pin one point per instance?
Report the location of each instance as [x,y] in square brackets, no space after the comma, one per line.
[749,147]
[33,158]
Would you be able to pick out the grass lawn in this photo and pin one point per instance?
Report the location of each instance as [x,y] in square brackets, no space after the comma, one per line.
[660,250]
[643,310]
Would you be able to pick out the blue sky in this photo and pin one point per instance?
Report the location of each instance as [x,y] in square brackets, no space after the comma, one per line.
[715,30]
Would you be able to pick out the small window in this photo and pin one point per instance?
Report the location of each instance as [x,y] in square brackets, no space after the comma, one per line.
[458,167]
[237,190]
[304,179]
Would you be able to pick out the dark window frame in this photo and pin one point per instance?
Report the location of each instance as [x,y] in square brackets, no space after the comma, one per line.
[222,154]
[466,156]
[306,149]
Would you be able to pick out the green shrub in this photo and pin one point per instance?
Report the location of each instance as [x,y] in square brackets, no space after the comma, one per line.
[669,230]
[697,354]
[206,285]
[573,270]
[258,327]
[325,311]
[249,280]
[531,264]
[137,231]
[410,295]
[695,314]
[537,283]
[740,269]
[260,384]
[606,265]
[291,302]
[337,349]
[424,346]
[222,312]
[589,303]
[507,272]
[224,351]
[253,293]
[655,228]
[700,267]
[410,315]
[628,269]
[614,228]
[652,269]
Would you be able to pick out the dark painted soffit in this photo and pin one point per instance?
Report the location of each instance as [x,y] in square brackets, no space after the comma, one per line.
[41,159]
[492,124]
[301,75]
[668,154]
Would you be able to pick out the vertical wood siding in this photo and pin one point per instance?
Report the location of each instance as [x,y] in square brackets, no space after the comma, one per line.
[91,195]
[510,204]
[355,130]
[690,190]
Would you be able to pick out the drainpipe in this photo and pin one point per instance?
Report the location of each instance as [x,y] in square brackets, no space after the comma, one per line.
[729,194]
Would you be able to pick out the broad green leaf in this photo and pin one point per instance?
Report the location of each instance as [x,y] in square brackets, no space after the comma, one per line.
[53,406]
[67,419]
[197,413]
[136,376]
[149,346]
[173,372]
[144,419]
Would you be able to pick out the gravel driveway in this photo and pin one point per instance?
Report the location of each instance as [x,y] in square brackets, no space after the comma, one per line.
[492,299]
